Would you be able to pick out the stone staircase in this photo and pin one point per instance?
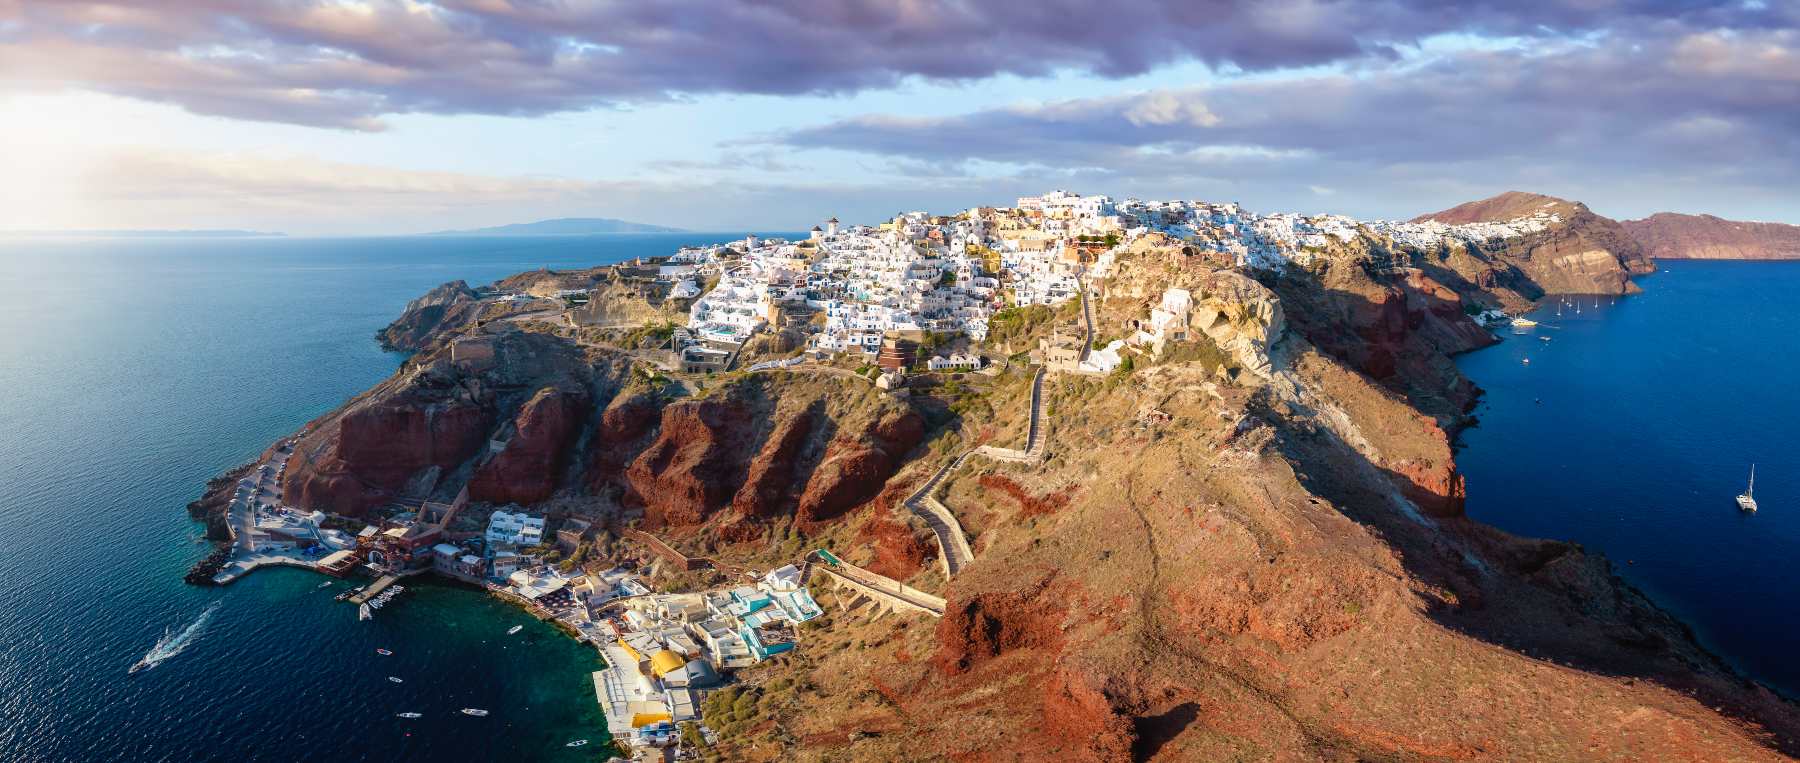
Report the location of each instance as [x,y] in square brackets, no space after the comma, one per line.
[954,551]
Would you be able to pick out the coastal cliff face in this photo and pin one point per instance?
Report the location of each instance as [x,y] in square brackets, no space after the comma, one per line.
[1669,236]
[1580,253]
[1251,546]
[451,304]
[1268,567]
[535,417]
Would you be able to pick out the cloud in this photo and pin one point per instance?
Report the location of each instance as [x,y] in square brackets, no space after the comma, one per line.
[1672,112]
[139,187]
[342,63]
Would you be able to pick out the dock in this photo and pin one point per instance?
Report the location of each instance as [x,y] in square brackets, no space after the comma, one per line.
[374,588]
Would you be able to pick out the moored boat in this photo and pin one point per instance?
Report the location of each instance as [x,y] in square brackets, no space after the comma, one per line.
[1747,501]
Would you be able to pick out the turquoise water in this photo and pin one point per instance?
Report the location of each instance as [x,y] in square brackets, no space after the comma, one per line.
[133,371]
[1633,429]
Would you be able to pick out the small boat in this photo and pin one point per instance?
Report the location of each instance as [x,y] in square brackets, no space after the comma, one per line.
[514,629]
[384,652]
[1543,339]
[396,679]
[326,584]
[409,715]
[1747,501]
[576,743]
[1526,361]
[475,711]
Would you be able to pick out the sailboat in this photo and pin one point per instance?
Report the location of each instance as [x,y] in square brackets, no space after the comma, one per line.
[1747,501]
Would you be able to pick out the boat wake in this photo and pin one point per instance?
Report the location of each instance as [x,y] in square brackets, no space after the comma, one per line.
[175,642]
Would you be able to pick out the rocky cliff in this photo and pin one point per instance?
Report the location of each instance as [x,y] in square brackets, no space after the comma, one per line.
[1579,253]
[536,417]
[1247,546]
[1264,567]
[1669,236]
[451,304]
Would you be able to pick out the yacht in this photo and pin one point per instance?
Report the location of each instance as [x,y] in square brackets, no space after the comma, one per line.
[514,629]
[475,711]
[1524,323]
[1747,501]
[363,613]
[410,715]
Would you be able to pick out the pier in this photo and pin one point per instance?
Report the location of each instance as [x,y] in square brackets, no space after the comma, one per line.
[374,588]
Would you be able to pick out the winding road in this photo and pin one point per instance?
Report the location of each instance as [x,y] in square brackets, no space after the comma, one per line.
[953,544]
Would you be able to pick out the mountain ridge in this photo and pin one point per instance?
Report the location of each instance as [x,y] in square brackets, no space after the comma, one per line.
[561,226]
[1677,236]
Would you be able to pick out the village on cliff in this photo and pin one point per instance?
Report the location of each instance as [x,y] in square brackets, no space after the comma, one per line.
[916,294]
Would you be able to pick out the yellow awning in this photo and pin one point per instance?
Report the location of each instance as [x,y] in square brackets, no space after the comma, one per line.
[664,662]
[641,720]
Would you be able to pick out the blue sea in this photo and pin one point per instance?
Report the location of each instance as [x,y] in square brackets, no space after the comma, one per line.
[131,371]
[1632,430]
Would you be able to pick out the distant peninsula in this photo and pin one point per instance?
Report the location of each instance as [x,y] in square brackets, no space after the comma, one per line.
[564,226]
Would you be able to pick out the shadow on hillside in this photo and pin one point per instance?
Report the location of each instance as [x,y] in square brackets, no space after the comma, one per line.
[1546,600]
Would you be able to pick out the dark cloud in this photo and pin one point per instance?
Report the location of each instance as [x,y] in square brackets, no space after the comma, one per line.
[1685,109]
[346,64]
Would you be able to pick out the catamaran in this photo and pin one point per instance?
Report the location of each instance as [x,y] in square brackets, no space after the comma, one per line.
[1747,501]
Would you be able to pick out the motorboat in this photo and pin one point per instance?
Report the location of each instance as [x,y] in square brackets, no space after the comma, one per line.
[576,743]
[384,652]
[395,679]
[410,715]
[514,629]
[326,584]
[1747,501]
[475,711]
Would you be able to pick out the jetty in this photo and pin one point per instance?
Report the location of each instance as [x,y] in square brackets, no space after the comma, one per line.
[374,588]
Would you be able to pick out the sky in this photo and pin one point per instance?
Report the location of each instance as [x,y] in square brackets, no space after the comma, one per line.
[360,117]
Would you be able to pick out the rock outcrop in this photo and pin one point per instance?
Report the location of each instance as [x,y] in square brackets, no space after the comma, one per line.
[1580,253]
[856,466]
[450,304]
[528,467]
[695,464]
[1670,236]
[1241,316]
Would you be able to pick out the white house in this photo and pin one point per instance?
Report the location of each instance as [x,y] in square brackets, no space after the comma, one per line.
[518,529]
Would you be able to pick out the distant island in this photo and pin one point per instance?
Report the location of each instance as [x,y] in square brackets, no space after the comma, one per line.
[564,226]
[131,233]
